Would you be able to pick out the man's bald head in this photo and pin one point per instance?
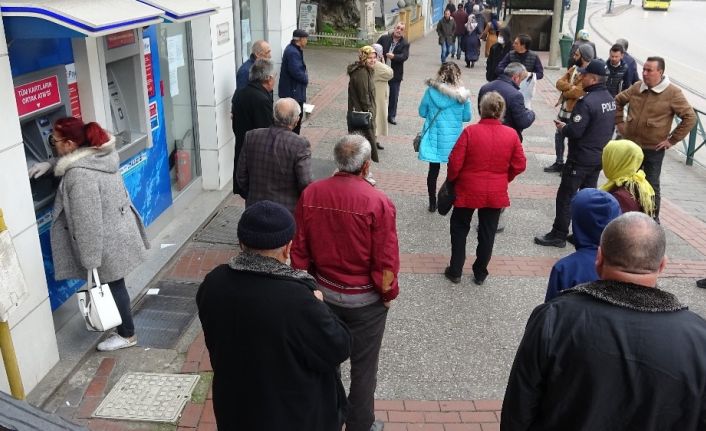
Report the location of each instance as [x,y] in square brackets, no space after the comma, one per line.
[633,243]
[286,113]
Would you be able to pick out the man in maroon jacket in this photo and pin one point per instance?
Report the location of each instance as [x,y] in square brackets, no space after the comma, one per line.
[347,239]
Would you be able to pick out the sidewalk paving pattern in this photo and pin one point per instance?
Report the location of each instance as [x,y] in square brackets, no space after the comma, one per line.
[448,348]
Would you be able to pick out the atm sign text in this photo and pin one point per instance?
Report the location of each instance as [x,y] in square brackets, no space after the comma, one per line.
[37,95]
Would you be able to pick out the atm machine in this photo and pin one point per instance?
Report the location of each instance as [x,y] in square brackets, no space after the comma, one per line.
[42,98]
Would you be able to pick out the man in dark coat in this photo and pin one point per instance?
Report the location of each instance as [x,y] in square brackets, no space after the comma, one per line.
[617,70]
[521,53]
[251,107]
[631,76]
[275,163]
[274,345]
[517,115]
[613,354]
[460,17]
[395,49]
[260,49]
[294,78]
[589,129]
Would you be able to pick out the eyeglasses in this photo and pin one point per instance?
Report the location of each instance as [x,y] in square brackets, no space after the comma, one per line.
[53,140]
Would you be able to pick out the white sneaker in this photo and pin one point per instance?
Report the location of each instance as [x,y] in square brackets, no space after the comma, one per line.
[116,342]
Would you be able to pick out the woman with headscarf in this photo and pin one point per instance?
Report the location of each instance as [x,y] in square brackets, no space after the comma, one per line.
[497,52]
[626,181]
[472,40]
[490,33]
[446,105]
[382,73]
[361,94]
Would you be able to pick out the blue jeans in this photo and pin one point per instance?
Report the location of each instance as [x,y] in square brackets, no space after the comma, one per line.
[446,49]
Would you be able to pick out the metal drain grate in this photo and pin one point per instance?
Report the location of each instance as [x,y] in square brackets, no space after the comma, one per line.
[161,319]
[148,397]
[222,229]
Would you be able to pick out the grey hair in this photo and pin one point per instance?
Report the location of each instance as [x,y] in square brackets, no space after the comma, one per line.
[351,152]
[258,46]
[286,112]
[261,70]
[634,243]
[492,105]
[514,68]
[623,42]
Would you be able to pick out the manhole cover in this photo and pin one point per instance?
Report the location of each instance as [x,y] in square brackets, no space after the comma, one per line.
[223,228]
[148,397]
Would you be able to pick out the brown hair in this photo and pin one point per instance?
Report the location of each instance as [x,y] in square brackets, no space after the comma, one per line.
[449,73]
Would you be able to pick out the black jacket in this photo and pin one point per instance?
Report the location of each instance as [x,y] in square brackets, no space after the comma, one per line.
[401,52]
[252,109]
[517,115]
[591,126]
[529,59]
[609,356]
[274,348]
[616,81]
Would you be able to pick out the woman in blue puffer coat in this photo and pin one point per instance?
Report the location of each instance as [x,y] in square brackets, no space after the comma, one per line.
[446,105]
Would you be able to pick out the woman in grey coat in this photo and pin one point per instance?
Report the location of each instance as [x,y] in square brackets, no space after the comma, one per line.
[94,223]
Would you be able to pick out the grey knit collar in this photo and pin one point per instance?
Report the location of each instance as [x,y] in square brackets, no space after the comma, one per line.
[252,262]
[631,296]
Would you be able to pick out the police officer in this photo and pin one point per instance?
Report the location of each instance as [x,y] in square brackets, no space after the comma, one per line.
[589,129]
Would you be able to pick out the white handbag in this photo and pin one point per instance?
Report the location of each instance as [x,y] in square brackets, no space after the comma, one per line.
[97,305]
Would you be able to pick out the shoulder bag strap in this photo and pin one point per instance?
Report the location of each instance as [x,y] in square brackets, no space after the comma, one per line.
[431,124]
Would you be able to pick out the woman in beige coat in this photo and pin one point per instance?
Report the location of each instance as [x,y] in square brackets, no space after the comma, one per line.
[382,73]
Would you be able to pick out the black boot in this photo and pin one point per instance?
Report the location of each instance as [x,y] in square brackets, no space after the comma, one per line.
[468,64]
[432,204]
[473,63]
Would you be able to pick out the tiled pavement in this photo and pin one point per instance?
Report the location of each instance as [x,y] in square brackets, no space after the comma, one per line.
[484,360]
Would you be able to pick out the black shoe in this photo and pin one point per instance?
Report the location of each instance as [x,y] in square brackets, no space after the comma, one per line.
[478,281]
[570,239]
[473,64]
[380,147]
[450,277]
[432,207]
[550,240]
[392,121]
[555,167]
[468,64]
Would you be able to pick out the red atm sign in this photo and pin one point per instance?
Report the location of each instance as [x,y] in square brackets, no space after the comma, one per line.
[37,95]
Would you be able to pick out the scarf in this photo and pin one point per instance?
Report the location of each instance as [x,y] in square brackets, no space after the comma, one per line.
[621,164]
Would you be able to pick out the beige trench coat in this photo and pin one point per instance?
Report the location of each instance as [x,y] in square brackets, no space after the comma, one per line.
[381,74]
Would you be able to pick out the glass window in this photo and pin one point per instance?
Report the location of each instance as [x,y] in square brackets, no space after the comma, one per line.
[176,65]
[252,24]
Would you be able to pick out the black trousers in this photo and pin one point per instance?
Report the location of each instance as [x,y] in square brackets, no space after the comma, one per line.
[559,145]
[366,325]
[652,165]
[301,116]
[122,300]
[460,226]
[432,176]
[573,178]
[394,95]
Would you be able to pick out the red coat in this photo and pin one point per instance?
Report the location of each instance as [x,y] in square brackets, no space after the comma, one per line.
[347,239]
[486,157]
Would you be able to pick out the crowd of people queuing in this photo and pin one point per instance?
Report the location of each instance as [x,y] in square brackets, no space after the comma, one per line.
[319,262]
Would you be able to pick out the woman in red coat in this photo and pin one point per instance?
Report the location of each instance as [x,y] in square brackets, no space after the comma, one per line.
[486,157]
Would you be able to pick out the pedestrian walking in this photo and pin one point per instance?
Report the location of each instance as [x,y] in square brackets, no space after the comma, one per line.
[275,163]
[460,17]
[274,346]
[591,211]
[589,130]
[521,53]
[601,355]
[395,49]
[361,95]
[347,239]
[497,52]
[582,38]
[472,42]
[485,159]
[445,29]
[617,70]
[294,77]
[94,223]
[622,160]
[251,108]
[445,106]
[571,90]
[490,33]
[507,85]
[260,50]
[382,74]
[652,105]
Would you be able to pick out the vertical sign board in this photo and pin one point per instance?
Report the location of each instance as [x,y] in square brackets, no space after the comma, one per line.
[148,67]
[307,16]
[37,95]
[437,10]
[73,90]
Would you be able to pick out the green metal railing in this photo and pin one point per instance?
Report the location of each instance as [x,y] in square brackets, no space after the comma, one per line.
[697,133]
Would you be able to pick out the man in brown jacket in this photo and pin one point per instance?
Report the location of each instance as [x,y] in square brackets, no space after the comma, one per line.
[652,104]
[571,89]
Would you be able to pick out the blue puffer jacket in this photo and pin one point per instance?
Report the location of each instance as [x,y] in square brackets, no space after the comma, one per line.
[454,108]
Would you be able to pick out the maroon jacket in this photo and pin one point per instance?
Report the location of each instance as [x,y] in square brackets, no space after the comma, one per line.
[486,157]
[460,16]
[347,239]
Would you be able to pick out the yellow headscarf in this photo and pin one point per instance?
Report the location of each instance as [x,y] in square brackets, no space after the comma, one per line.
[621,164]
[364,52]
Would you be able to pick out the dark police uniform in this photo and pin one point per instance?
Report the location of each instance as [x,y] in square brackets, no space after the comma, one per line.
[589,130]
